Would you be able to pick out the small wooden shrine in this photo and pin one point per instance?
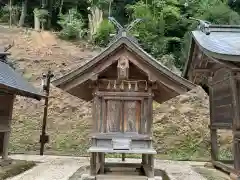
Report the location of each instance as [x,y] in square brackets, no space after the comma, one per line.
[214,63]
[123,81]
[11,84]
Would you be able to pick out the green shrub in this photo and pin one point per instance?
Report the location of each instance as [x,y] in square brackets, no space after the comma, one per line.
[222,14]
[102,37]
[5,15]
[72,25]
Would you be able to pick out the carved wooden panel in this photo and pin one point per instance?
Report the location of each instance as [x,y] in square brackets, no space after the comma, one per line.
[132,116]
[123,68]
[114,111]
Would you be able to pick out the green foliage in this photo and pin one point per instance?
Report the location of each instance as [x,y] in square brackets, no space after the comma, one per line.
[166,30]
[190,148]
[225,153]
[5,13]
[221,14]
[154,33]
[15,168]
[72,25]
[102,37]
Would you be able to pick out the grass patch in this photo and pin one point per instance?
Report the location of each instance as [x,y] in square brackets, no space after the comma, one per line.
[15,168]
[225,154]
[189,148]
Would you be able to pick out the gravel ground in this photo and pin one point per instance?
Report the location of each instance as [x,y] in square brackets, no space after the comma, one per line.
[63,167]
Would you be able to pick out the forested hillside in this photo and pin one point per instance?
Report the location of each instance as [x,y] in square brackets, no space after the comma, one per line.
[164,33]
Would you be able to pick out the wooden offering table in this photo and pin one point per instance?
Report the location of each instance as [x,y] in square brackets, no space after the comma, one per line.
[131,143]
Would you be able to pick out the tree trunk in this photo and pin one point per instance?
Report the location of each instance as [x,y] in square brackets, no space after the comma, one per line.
[61,6]
[23,13]
[10,13]
[36,20]
[50,9]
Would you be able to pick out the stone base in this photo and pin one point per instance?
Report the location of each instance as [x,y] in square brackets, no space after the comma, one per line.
[87,177]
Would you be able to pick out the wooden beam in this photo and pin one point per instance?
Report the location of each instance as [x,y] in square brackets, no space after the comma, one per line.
[129,94]
[224,63]
[201,70]
[220,126]
[228,168]
[127,165]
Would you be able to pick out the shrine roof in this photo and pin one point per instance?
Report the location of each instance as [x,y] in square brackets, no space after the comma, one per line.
[130,43]
[222,43]
[12,82]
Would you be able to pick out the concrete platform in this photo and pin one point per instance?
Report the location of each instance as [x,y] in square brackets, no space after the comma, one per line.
[63,168]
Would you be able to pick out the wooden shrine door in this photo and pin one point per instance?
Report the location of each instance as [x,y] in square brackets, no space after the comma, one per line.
[123,115]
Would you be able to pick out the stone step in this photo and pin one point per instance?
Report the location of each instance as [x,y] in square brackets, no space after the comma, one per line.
[120,177]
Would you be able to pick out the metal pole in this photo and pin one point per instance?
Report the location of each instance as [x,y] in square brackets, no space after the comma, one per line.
[43,137]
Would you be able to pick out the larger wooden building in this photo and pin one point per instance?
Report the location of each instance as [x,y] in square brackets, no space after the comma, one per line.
[11,84]
[123,81]
[214,63]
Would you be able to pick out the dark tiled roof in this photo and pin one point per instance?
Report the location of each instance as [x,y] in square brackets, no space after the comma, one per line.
[13,82]
[222,43]
[222,39]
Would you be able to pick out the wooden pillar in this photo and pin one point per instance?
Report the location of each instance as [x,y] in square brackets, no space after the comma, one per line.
[6,136]
[93,164]
[102,162]
[235,82]
[151,165]
[5,145]
[214,144]
[103,122]
[96,109]
[96,114]
[150,112]
[213,131]
[123,156]
[144,159]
